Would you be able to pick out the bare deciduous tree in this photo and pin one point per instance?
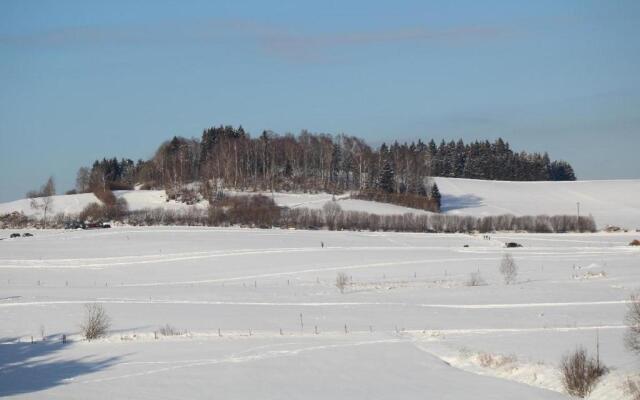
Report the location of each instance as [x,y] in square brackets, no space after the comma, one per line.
[632,336]
[43,200]
[96,322]
[83,180]
[508,269]
[342,280]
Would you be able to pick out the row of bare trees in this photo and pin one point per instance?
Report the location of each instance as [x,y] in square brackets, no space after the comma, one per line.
[262,211]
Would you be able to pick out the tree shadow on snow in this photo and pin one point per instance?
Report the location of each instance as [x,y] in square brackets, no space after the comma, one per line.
[27,367]
[450,202]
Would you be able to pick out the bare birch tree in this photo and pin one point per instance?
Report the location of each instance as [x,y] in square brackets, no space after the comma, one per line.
[43,200]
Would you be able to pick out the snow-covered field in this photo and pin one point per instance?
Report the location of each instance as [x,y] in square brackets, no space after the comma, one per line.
[611,202]
[262,317]
[614,202]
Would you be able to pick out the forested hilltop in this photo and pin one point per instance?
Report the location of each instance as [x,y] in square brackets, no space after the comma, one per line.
[226,157]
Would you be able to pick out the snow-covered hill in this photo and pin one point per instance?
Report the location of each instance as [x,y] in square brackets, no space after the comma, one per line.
[74,203]
[612,202]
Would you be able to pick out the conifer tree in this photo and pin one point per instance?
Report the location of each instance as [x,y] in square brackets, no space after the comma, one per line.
[435,194]
[386,179]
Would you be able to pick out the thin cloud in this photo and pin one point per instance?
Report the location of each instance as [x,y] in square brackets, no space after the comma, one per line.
[293,46]
[271,40]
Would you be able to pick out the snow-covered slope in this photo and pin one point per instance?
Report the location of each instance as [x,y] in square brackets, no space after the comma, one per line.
[611,202]
[141,199]
[317,200]
[74,203]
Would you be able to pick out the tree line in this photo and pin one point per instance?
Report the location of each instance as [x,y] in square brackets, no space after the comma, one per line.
[226,157]
[262,212]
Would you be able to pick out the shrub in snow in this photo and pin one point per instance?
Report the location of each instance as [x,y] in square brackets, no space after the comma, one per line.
[475,279]
[631,387]
[580,373]
[508,269]
[342,280]
[635,242]
[331,211]
[168,330]
[495,361]
[96,322]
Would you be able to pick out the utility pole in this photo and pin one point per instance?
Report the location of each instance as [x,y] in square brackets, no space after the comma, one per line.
[578,204]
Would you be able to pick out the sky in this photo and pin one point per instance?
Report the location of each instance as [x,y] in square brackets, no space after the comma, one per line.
[81,80]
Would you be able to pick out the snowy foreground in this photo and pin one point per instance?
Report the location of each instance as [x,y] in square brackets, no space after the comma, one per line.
[248,303]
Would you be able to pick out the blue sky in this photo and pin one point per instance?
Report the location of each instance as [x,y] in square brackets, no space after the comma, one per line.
[81,80]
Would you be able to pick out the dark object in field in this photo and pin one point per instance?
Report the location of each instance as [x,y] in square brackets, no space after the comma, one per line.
[635,242]
[74,225]
[27,234]
[96,225]
[466,245]
[14,235]
[512,244]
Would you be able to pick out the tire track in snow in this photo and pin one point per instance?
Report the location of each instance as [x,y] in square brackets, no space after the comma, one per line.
[239,359]
[316,304]
[104,262]
[163,258]
[308,270]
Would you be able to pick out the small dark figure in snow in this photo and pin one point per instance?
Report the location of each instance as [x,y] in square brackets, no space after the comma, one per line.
[64,338]
[322,244]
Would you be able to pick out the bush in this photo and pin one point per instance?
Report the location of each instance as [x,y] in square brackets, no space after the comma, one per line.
[342,280]
[93,212]
[16,220]
[118,211]
[508,269]
[495,361]
[120,186]
[402,199]
[332,211]
[631,387]
[635,242]
[580,373]
[96,322]
[168,330]
[475,279]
